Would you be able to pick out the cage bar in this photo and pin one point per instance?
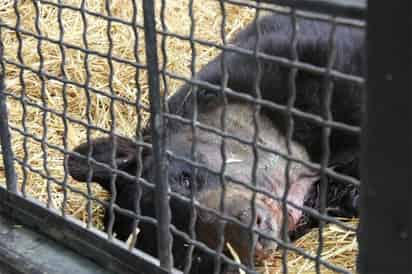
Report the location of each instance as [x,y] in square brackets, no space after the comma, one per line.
[164,237]
[386,190]
[91,243]
[354,9]
[5,139]
[113,254]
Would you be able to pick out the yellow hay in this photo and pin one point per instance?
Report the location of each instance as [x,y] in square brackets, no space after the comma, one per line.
[235,256]
[339,246]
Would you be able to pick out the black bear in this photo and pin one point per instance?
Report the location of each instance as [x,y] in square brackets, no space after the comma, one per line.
[250,159]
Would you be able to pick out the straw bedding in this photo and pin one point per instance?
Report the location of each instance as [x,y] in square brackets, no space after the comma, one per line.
[47,162]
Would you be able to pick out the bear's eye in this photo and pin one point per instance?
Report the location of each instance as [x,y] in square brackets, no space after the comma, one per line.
[185,179]
[207,94]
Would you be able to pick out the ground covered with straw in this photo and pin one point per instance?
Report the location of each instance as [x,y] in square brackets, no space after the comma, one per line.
[46,177]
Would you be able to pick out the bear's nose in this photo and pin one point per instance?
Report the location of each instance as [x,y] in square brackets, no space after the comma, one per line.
[262,219]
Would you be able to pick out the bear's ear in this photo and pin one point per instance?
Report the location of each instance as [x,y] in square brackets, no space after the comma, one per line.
[125,160]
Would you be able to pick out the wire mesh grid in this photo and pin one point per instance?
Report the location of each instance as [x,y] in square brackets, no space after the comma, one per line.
[77,77]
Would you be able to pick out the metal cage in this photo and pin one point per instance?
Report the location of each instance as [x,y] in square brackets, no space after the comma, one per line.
[16,201]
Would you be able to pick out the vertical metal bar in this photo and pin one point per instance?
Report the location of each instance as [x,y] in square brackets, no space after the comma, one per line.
[11,179]
[113,148]
[65,107]
[164,237]
[193,189]
[289,133]
[22,99]
[256,113]
[385,235]
[43,97]
[222,180]
[88,113]
[139,136]
[327,93]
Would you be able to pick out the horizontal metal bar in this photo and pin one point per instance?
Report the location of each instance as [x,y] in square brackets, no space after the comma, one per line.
[92,243]
[355,9]
[231,48]
[23,251]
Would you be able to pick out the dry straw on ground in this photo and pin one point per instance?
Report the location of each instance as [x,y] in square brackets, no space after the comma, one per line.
[48,92]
